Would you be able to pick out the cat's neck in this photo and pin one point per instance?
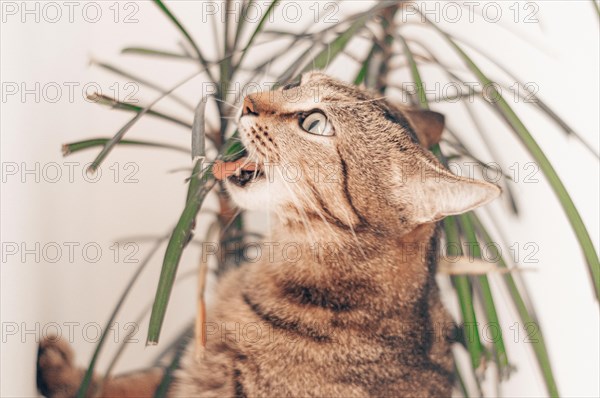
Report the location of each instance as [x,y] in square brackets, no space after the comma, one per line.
[322,245]
[354,269]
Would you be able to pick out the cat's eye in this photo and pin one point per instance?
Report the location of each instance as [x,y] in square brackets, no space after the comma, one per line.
[316,123]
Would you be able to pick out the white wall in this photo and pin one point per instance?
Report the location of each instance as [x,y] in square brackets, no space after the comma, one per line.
[559,54]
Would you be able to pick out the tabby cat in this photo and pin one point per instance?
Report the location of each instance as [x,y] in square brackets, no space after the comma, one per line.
[344,302]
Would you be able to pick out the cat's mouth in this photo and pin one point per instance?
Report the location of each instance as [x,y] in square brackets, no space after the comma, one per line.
[240,172]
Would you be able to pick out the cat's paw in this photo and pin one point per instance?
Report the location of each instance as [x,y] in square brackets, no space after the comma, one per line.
[57,377]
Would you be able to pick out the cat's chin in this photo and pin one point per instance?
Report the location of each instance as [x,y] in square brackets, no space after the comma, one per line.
[257,195]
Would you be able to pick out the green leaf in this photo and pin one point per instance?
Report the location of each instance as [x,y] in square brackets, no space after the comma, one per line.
[277,34]
[537,342]
[225,64]
[534,149]
[180,237]
[73,147]
[463,290]
[315,38]
[123,130]
[288,74]
[232,148]
[414,70]
[123,344]
[113,103]
[156,53]
[198,131]
[328,54]
[362,72]
[167,379]
[257,30]
[140,80]
[187,36]
[242,22]
[487,298]
[507,188]
[531,97]
[523,94]
[334,48]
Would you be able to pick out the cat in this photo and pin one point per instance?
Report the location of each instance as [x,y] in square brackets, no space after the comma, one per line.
[353,310]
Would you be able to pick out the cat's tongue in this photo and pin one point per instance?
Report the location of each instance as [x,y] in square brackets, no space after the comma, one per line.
[223,170]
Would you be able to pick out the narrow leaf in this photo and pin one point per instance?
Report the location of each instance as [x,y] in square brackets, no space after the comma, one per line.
[488,299]
[119,135]
[138,320]
[180,237]
[168,377]
[187,36]
[362,72]
[414,70]
[242,22]
[113,103]
[198,131]
[232,148]
[537,341]
[257,30]
[140,80]
[332,49]
[73,147]
[465,298]
[530,97]
[156,53]
[587,246]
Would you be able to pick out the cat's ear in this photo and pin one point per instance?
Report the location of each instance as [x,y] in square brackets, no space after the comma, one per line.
[428,125]
[437,193]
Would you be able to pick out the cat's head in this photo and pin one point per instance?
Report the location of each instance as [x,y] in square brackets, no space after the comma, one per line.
[322,151]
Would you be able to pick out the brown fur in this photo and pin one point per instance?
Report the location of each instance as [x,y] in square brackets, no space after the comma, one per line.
[358,313]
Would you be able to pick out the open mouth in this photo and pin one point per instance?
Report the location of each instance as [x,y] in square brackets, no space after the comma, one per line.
[240,171]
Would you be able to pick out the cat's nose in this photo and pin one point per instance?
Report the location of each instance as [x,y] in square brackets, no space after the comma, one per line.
[249,107]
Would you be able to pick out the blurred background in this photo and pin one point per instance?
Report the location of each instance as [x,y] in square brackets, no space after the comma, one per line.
[71,241]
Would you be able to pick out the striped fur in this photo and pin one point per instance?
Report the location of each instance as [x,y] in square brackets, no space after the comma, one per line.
[361,319]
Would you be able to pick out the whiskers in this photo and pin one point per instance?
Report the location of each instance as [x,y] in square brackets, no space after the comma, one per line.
[354,235]
[234,106]
[234,154]
[298,205]
[310,204]
[233,113]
